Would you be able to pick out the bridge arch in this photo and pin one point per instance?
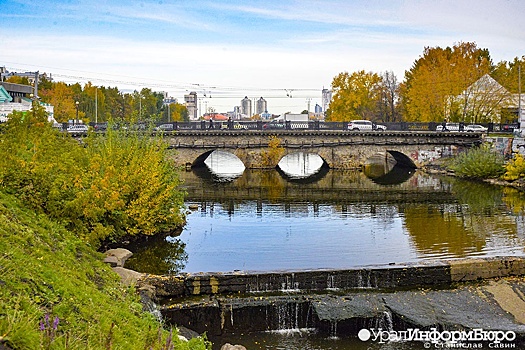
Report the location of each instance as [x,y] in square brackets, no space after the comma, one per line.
[402,159]
[199,161]
[301,164]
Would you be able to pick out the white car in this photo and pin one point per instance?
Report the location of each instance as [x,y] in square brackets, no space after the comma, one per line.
[448,127]
[475,128]
[365,125]
[164,127]
[77,129]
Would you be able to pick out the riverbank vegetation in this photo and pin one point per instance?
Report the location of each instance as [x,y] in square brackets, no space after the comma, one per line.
[104,188]
[478,163]
[484,163]
[59,199]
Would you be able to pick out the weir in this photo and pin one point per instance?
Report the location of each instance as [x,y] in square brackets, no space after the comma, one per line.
[340,303]
[392,276]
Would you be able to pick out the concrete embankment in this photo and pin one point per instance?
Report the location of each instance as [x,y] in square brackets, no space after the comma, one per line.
[459,294]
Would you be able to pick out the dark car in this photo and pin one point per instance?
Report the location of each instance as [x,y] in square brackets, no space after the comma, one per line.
[274,125]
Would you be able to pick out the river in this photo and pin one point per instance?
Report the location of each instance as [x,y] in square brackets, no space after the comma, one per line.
[262,220]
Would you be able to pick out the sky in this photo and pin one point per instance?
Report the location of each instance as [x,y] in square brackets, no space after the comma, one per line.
[284,51]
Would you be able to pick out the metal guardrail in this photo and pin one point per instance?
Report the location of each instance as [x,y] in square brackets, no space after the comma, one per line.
[266,125]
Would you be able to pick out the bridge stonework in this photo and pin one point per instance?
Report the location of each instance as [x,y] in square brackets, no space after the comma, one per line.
[339,149]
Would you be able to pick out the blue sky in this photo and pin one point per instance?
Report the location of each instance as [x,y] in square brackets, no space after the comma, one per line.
[232,49]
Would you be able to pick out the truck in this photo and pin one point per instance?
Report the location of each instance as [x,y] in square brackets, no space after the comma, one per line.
[292,118]
[289,121]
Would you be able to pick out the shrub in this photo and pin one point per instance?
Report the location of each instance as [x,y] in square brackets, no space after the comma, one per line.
[515,168]
[478,163]
[275,151]
[104,187]
[128,188]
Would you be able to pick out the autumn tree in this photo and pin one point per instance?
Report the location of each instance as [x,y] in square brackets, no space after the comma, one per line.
[506,73]
[15,79]
[388,102]
[178,112]
[355,96]
[62,97]
[439,75]
[93,103]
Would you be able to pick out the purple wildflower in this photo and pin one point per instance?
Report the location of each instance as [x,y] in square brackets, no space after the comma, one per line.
[55,322]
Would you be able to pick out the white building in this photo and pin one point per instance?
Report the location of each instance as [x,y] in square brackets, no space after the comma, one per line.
[246,106]
[190,101]
[261,106]
[14,97]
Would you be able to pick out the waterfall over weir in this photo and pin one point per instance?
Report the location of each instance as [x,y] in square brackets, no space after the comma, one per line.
[329,315]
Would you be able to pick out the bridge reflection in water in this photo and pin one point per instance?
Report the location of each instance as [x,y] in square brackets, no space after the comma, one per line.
[264,221]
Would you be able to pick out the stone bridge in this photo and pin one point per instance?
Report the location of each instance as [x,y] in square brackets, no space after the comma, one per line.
[339,149]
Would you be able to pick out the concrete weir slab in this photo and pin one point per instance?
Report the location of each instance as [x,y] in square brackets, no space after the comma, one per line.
[462,294]
[392,276]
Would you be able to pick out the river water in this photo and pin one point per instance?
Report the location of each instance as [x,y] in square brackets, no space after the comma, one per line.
[262,220]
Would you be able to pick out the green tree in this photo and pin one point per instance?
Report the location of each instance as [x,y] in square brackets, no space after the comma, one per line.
[355,96]
[506,73]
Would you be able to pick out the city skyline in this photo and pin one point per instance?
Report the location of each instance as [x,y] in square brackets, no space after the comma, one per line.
[286,52]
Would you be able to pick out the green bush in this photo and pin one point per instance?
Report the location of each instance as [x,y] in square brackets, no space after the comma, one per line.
[104,187]
[479,163]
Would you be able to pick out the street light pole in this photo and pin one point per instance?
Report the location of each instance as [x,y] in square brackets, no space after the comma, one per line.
[76,105]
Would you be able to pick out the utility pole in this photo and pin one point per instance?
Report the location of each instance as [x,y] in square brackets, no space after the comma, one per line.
[519,97]
[96,104]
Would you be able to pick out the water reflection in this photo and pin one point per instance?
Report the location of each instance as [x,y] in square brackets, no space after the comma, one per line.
[224,165]
[158,255]
[300,165]
[379,174]
[261,221]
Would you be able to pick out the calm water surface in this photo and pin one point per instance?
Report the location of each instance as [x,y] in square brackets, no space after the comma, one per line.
[262,221]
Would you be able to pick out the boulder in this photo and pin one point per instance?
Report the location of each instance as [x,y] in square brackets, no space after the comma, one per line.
[127,277]
[117,257]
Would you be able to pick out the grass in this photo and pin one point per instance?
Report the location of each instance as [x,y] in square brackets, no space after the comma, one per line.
[55,292]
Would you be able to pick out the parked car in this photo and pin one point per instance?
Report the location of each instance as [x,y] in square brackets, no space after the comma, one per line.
[448,127]
[77,129]
[164,127]
[365,125]
[458,127]
[100,127]
[475,128]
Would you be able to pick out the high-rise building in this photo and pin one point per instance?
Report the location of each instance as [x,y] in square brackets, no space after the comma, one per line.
[246,106]
[190,101]
[261,106]
[327,97]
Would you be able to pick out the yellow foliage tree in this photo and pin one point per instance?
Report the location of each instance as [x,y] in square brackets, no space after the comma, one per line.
[62,97]
[439,75]
[355,96]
